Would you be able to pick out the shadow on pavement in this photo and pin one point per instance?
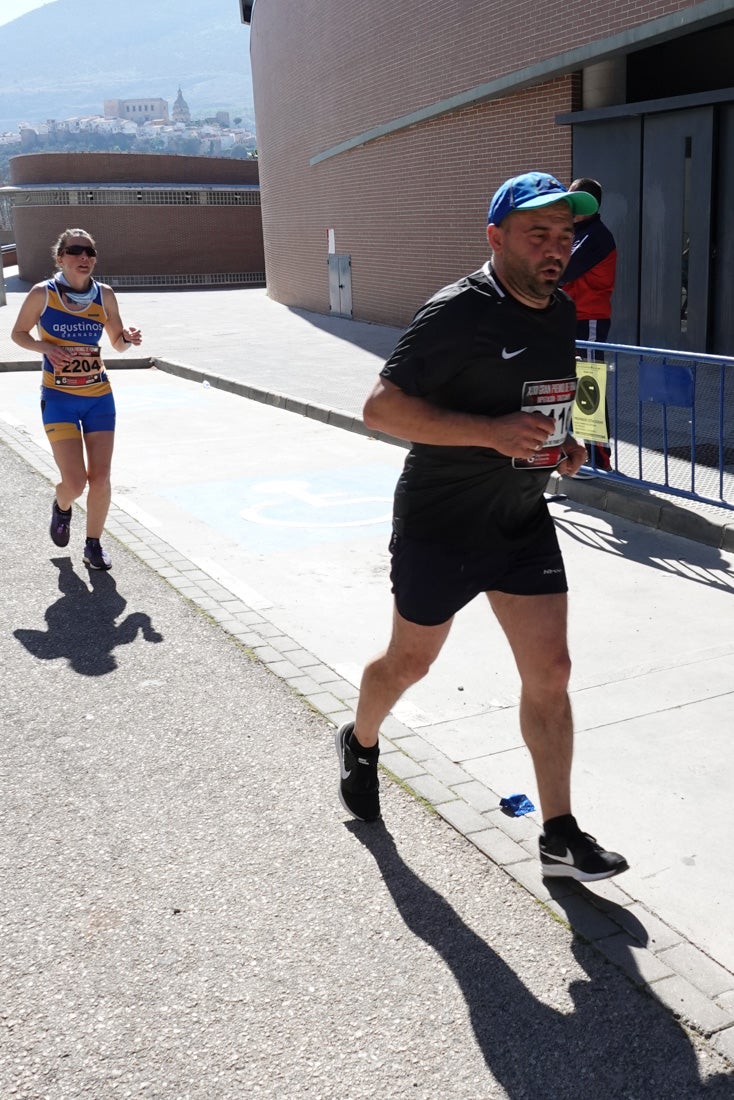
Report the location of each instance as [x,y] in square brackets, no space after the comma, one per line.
[703,564]
[380,340]
[617,1043]
[82,625]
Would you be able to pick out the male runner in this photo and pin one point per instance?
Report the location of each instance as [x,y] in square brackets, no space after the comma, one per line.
[482,383]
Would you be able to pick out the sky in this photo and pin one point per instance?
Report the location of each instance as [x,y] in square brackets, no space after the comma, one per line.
[11,9]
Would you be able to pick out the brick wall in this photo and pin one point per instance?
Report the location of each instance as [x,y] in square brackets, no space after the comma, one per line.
[410,207]
[179,236]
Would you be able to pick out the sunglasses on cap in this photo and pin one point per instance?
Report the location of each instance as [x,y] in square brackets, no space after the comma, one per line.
[77,249]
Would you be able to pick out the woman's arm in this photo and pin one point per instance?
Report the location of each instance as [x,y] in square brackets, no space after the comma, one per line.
[27,320]
[121,338]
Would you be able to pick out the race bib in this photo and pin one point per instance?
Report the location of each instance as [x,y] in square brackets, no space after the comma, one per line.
[83,369]
[553,398]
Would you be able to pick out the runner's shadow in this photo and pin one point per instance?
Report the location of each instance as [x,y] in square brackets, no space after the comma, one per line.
[616,1043]
[82,626]
[702,563]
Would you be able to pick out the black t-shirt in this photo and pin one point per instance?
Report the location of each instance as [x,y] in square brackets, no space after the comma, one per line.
[471,348]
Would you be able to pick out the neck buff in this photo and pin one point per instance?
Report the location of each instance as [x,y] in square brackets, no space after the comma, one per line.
[78,297]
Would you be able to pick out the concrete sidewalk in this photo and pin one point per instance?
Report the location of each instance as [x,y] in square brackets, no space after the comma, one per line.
[268,521]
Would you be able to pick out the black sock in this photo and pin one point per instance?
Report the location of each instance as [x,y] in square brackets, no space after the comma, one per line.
[565,825]
[63,511]
[360,750]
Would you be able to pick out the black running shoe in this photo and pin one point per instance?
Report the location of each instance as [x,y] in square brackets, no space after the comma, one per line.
[60,525]
[358,783]
[95,556]
[578,856]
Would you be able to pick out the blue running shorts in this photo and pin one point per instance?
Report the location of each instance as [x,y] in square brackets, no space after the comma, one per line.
[66,416]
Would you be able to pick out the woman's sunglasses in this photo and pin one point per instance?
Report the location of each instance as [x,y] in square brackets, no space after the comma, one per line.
[77,249]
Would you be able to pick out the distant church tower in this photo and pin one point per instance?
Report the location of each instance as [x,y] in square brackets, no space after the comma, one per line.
[181,112]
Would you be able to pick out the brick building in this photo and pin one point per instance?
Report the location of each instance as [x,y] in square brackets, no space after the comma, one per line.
[158,220]
[384,128]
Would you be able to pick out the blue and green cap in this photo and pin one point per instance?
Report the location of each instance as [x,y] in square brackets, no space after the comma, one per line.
[534,189]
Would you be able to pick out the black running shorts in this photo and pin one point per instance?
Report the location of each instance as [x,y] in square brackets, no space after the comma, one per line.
[431,581]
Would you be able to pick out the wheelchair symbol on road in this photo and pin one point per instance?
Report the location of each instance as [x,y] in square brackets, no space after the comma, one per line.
[296,504]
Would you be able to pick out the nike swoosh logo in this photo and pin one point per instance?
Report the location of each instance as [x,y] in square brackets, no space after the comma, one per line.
[511,354]
[568,858]
[340,749]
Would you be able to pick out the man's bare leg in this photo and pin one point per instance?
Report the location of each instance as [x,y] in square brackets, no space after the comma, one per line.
[535,627]
[411,651]
[536,630]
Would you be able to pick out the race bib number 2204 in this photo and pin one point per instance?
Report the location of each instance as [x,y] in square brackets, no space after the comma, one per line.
[83,369]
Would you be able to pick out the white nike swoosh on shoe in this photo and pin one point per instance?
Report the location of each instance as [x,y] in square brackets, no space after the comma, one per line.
[511,354]
[567,858]
[340,753]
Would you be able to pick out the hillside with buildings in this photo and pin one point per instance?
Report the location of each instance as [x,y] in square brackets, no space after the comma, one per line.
[63,60]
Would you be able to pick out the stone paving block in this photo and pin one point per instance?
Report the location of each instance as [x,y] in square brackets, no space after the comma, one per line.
[304,685]
[725,1001]
[168,572]
[235,607]
[295,654]
[222,616]
[463,817]
[651,931]
[434,792]
[281,668]
[247,638]
[215,589]
[634,959]
[446,771]
[394,729]
[499,847]
[691,1005]
[268,655]
[155,561]
[698,969]
[419,749]
[724,1043]
[269,631]
[476,794]
[611,891]
[400,765]
[206,603]
[585,918]
[521,829]
[319,672]
[232,626]
[252,618]
[338,717]
[341,688]
[527,873]
[189,591]
[325,702]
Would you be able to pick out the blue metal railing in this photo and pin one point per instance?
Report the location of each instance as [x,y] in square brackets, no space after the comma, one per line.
[671,418]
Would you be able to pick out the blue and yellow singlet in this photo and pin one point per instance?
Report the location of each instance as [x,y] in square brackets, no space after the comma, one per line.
[85,375]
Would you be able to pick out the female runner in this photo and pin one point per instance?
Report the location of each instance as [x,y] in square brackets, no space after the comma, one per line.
[70,311]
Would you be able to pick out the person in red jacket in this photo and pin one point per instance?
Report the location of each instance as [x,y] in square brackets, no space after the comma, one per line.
[589,281]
